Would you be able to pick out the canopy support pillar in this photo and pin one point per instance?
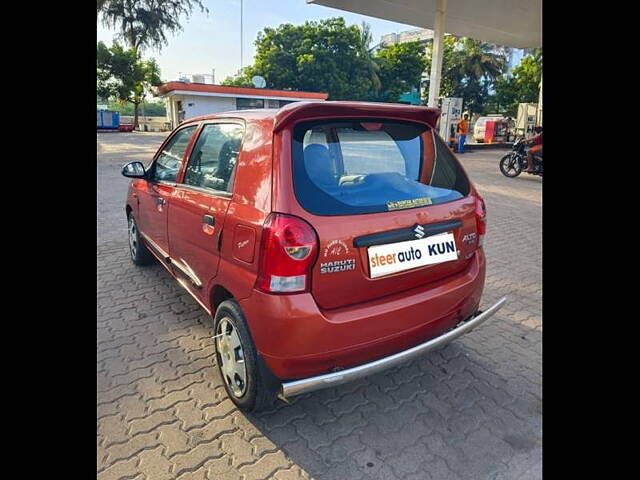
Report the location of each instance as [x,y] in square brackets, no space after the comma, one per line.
[539,119]
[437,50]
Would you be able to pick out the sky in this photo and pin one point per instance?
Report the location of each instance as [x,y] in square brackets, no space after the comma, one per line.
[213,40]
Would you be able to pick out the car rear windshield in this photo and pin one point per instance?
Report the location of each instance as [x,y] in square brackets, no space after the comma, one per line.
[369,166]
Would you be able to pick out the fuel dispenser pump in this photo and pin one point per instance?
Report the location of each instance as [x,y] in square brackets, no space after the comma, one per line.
[450,115]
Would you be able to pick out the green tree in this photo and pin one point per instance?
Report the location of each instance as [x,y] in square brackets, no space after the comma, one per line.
[475,94]
[479,65]
[123,76]
[325,56]
[480,60]
[366,52]
[451,75]
[151,109]
[401,66]
[469,69]
[506,96]
[527,76]
[144,23]
[241,79]
[522,85]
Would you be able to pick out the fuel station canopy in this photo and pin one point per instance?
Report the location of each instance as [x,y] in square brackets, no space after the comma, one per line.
[509,23]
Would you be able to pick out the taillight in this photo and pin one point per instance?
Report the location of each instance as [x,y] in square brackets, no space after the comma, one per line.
[288,251]
[481,219]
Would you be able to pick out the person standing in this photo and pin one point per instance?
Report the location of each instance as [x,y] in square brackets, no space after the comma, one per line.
[452,139]
[463,130]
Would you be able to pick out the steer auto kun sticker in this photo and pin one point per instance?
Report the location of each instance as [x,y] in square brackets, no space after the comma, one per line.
[402,204]
[396,257]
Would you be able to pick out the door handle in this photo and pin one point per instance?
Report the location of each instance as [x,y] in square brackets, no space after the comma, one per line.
[160,201]
[208,220]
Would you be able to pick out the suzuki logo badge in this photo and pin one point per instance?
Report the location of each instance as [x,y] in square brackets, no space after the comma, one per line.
[419,231]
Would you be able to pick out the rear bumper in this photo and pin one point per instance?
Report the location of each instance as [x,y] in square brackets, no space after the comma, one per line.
[296,339]
[296,387]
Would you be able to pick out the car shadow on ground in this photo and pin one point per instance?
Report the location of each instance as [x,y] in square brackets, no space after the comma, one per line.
[448,414]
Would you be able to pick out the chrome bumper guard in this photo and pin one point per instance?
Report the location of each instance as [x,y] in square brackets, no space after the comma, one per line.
[296,387]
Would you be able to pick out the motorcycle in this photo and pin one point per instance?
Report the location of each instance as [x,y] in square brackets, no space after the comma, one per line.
[513,163]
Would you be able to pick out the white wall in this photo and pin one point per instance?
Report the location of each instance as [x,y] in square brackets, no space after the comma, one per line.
[196,106]
[201,105]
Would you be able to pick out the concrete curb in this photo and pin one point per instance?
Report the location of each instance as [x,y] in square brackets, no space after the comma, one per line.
[487,146]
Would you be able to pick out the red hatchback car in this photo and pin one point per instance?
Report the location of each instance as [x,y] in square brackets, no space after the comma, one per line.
[329,240]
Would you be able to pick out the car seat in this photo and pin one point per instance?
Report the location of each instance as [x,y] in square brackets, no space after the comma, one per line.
[219,178]
[317,162]
[193,174]
[226,162]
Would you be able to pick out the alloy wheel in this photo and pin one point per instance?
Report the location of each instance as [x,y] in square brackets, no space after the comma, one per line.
[230,354]
[133,237]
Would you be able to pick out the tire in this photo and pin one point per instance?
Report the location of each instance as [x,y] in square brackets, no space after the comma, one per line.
[510,166]
[139,252]
[237,360]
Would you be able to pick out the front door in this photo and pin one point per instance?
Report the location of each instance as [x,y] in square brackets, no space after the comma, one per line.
[155,193]
[199,205]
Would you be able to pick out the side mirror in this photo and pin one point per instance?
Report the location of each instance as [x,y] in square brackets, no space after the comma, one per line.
[134,170]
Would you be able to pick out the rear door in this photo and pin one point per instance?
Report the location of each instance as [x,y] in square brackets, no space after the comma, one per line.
[200,203]
[389,203]
[155,193]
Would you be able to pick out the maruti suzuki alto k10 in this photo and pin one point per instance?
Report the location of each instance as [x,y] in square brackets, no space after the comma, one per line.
[328,240]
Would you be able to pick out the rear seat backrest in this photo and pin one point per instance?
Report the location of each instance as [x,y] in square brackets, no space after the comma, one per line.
[317,162]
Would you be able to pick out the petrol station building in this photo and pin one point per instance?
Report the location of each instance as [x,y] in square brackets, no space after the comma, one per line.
[186,100]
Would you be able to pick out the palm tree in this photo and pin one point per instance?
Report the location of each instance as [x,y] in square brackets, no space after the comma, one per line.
[366,52]
[144,23]
[481,60]
[474,67]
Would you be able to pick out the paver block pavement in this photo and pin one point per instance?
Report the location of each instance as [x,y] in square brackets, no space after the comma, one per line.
[470,410]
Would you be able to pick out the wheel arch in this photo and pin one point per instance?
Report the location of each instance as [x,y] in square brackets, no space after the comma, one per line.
[218,295]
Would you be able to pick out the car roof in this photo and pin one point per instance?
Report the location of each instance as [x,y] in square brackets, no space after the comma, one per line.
[257,113]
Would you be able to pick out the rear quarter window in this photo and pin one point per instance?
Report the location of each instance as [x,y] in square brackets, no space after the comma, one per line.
[370,166]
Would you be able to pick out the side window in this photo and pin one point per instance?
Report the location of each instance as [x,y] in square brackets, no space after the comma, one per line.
[249,103]
[214,157]
[446,171]
[168,163]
